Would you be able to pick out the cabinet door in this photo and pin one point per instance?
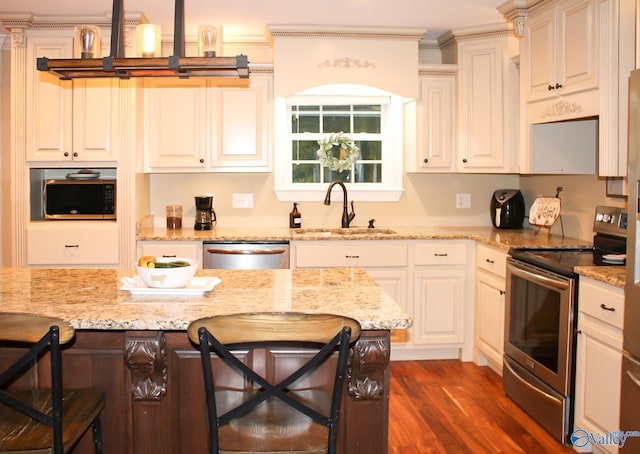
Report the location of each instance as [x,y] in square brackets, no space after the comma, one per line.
[95,120]
[439,306]
[176,123]
[48,103]
[490,301]
[242,124]
[540,49]
[394,282]
[598,375]
[482,105]
[436,123]
[577,64]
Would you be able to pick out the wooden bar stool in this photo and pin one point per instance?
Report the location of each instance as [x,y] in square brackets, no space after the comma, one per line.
[33,419]
[275,384]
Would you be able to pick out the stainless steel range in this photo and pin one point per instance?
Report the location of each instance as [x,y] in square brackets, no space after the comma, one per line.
[541,317]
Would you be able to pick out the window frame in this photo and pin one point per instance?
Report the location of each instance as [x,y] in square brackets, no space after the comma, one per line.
[392,139]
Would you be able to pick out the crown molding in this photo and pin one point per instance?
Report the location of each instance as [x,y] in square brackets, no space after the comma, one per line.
[343,32]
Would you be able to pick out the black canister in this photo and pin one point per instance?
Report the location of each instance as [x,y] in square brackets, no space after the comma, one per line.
[507,209]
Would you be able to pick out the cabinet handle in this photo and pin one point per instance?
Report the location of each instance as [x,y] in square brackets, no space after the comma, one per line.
[71,245]
[436,254]
[489,261]
[201,160]
[352,256]
[607,308]
[168,256]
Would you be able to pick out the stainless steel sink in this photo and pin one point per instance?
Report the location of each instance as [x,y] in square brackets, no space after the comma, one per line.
[343,232]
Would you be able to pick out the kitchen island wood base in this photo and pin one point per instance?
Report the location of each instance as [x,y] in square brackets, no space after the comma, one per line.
[155,395]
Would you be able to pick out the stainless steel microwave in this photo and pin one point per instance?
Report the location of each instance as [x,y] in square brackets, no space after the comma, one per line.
[79,199]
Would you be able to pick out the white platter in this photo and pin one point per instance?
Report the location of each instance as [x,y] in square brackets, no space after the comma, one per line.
[614,259]
[197,286]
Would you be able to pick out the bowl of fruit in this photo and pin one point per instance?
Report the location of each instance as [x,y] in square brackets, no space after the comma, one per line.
[166,272]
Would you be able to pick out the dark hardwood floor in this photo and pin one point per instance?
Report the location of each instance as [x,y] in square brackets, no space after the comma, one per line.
[447,406]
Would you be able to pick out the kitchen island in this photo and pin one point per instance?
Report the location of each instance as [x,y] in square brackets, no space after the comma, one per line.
[136,348]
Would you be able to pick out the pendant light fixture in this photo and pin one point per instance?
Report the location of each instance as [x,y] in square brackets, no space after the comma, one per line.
[150,64]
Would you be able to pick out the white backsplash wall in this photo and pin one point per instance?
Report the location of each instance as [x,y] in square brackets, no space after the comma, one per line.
[580,195]
[428,200]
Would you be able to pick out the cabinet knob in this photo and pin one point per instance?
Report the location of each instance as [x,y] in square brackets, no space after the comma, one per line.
[201,160]
[489,261]
[464,160]
[66,154]
[425,160]
[558,86]
[75,155]
[550,87]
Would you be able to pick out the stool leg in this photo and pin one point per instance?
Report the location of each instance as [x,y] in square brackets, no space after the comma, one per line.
[97,435]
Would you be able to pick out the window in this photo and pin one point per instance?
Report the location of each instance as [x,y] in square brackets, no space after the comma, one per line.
[373,121]
[359,122]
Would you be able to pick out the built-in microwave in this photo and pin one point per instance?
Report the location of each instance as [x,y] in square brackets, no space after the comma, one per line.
[79,199]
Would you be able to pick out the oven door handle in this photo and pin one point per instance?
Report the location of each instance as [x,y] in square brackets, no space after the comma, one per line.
[539,278]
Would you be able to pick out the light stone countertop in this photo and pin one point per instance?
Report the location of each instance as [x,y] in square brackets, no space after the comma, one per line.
[92,299]
[503,239]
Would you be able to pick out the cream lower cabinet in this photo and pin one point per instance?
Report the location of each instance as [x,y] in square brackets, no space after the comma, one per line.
[599,361]
[489,306]
[427,278]
[72,243]
[189,249]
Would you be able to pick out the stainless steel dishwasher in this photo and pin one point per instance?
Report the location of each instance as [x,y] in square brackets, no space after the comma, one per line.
[246,255]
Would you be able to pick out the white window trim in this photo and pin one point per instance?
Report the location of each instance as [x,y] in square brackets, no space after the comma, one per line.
[390,191]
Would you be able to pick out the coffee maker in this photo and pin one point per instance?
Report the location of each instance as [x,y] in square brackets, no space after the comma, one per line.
[205,216]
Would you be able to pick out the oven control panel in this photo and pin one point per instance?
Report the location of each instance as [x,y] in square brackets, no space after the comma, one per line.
[610,221]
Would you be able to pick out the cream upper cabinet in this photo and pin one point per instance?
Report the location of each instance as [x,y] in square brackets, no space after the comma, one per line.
[65,120]
[435,120]
[194,126]
[560,42]
[487,103]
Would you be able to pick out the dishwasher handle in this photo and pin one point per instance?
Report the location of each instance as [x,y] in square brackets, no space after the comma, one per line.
[246,251]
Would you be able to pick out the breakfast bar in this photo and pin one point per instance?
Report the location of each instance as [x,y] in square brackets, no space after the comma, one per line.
[135,346]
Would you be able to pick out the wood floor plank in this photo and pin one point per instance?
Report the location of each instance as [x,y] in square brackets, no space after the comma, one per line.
[447,406]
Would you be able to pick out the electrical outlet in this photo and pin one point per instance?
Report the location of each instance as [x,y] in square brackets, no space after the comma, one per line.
[242,200]
[463,200]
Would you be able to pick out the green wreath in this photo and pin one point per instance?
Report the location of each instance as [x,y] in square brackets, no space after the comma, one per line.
[348,152]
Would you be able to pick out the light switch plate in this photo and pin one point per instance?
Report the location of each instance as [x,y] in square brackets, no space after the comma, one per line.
[242,200]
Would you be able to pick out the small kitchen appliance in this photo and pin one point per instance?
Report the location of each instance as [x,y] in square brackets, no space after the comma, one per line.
[507,209]
[205,216]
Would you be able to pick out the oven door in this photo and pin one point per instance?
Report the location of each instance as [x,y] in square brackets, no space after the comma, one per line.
[539,323]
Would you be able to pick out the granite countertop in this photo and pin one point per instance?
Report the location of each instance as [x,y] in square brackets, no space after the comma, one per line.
[92,299]
[494,237]
[503,239]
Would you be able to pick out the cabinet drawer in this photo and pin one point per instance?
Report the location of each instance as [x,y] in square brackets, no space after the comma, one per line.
[350,254]
[602,301]
[188,249]
[440,253]
[491,259]
[63,244]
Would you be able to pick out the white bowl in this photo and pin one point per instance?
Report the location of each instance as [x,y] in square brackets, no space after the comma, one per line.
[178,277]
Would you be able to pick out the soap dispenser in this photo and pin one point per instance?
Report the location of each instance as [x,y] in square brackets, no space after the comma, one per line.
[295,218]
